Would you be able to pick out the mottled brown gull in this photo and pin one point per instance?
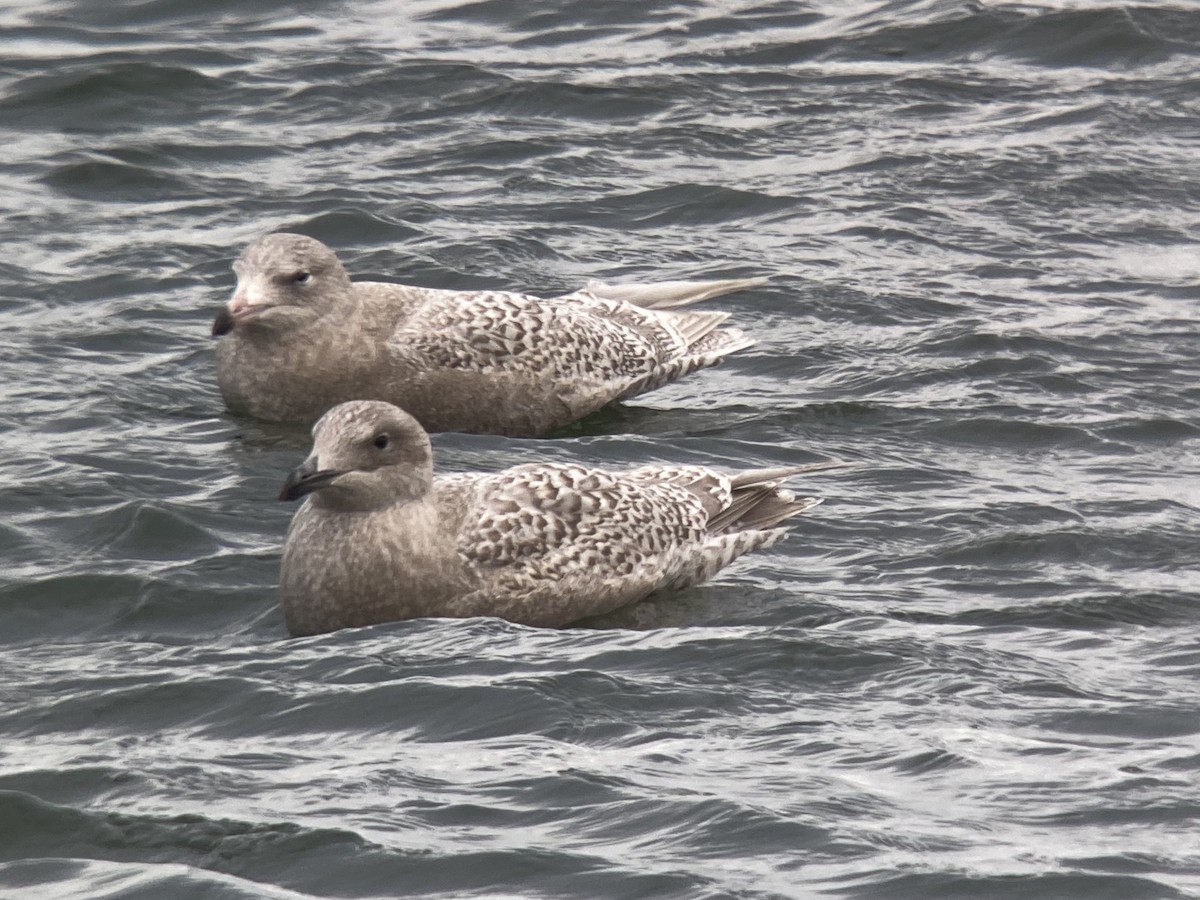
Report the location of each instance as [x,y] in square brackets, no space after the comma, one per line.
[298,337]
[381,538]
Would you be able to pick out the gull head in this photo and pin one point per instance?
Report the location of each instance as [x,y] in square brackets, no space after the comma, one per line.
[283,281]
[366,455]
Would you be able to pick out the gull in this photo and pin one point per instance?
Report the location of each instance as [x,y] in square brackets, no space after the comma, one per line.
[380,538]
[298,337]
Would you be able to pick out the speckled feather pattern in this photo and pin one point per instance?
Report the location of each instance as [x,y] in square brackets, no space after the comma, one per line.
[490,330]
[553,519]
[485,361]
[541,544]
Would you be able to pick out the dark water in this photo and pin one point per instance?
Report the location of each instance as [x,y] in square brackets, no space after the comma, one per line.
[972,673]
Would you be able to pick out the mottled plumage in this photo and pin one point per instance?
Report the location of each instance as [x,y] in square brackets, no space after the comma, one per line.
[298,337]
[382,539]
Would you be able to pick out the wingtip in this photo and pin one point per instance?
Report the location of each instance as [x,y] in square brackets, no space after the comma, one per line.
[671,294]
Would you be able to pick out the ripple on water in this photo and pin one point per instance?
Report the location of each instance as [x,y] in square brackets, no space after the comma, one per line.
[106,95]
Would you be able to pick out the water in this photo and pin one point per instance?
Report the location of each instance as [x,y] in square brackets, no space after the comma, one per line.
[971,673]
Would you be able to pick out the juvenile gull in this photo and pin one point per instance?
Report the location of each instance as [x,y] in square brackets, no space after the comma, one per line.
[381,538]
[298,337]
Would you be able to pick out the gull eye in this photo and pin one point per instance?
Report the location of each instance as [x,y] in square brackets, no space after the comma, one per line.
[381,441]
[302,277]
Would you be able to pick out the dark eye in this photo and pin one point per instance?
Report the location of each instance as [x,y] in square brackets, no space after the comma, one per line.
[301,277]
[381,441]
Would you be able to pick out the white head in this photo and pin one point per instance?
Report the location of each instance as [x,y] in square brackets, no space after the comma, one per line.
[366,455]
[284,281]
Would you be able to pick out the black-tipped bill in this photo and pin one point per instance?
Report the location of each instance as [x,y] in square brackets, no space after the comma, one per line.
[223,323]
[306,478]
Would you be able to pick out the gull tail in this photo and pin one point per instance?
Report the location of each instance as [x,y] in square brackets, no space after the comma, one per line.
[670,294]
[718,552]
[711,349]
[759,501]
[758,504]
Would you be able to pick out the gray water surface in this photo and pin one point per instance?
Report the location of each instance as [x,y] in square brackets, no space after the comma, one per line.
[973,672]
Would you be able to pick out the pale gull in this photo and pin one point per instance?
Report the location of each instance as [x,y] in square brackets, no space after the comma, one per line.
[298,337]
[381,538]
